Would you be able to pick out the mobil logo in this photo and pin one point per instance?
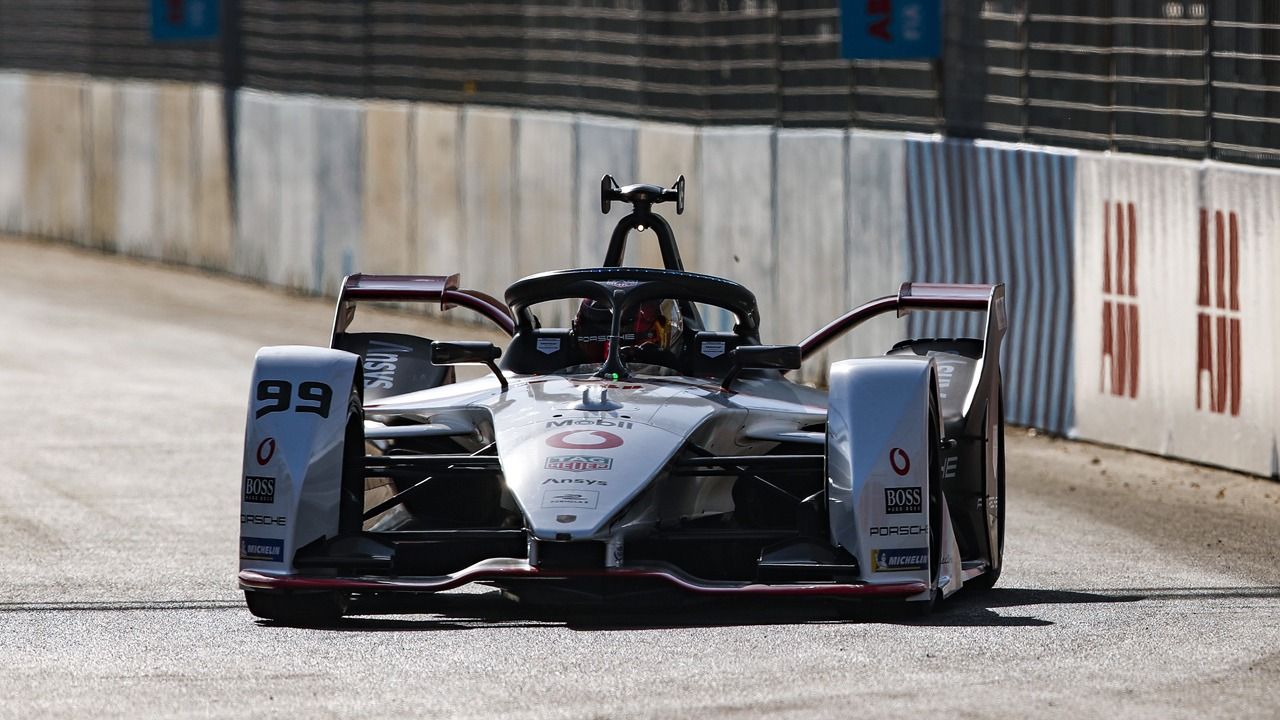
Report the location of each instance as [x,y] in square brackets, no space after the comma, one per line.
[1118,371]
[584,439]
[1218,354]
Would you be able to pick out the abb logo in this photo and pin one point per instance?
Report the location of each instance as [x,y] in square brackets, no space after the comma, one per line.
[1218,319]
[1120,346]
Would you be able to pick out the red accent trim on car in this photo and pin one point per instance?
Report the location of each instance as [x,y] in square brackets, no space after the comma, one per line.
[417,288]
[847,322]
[499,568]
[485,304]
[911,296]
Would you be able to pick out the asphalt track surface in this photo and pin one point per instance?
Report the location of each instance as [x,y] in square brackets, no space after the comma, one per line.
[1134,586]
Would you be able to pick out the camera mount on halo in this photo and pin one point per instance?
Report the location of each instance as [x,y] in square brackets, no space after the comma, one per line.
[642,198]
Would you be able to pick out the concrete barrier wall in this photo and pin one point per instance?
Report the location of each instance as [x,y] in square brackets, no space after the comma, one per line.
[175,175]
[212,234]
[257,184]
[1142,307]
[1236,375]
[339,178]
[603,146]
[136,159]
[103,150]
[980,213]
[13,151]
[663,153]
[810,197]
[388,188]
[875,262]
[734,184]
[56,168]
[488,194]
[1176,309]
[545,193]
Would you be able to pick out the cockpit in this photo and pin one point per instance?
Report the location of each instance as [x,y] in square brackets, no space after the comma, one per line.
[627,321]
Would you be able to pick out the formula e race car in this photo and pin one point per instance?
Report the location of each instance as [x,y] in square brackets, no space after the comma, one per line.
[642,451]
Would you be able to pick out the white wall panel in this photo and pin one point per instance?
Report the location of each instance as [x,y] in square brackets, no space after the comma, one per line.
[13,151]
[488,189]
[258,184]
[388,180]
[1236,343]
[544,205]
[136,194]
[603,147]
[294,253]
[211,244]
[874,263]
[439,247]
[811,215]
[664,152]
[338,179]
[102,147]
[175,171]
[735,186]
[56,169]
[1135,218]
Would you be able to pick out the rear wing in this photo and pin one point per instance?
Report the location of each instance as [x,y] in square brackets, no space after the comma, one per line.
[442,289]
[916,297]
[913,297]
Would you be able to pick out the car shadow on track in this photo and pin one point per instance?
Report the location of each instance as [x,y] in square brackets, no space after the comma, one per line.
[477,610]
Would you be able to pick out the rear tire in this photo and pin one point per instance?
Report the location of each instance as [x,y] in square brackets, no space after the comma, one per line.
[297,609]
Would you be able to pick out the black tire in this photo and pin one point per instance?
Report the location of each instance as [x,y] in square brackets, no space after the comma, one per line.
[319,609]
[988,579]
[921,608]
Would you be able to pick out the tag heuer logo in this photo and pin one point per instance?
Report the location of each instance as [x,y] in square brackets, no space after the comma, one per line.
[578,463]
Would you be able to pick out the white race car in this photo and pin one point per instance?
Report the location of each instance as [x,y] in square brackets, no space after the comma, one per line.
[652,446]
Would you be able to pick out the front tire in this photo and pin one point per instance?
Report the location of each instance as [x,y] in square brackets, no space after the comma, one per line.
[921,608]
[988,579]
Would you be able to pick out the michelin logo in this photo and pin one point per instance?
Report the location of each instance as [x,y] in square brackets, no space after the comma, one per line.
[270,549]
[899,559]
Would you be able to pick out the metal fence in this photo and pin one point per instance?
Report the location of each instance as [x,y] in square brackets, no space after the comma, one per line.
[1191,79]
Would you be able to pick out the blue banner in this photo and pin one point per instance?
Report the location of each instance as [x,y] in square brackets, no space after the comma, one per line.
[184,19]
[890,29]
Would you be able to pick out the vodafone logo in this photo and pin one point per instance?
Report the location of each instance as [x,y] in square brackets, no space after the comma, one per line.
[584,440]
[266,451]
[899,461]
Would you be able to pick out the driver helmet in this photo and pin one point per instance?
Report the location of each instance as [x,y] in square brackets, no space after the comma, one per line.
[652,325]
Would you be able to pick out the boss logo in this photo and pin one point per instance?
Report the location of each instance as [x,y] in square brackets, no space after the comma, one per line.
[901,500]
[259,489]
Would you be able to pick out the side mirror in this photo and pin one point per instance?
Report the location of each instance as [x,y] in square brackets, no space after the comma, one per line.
[761,357]
[468,352]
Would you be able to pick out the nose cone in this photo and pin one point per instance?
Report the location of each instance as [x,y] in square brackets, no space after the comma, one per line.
[572,476]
